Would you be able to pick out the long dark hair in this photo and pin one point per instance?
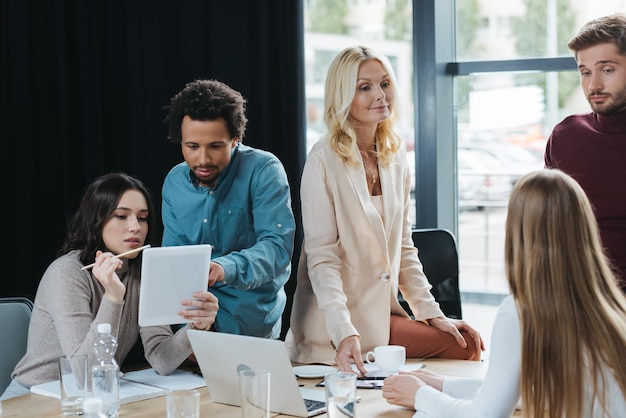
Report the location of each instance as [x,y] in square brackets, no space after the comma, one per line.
[84,231]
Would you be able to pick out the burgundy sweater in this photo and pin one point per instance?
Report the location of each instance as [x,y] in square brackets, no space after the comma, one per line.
[592,149]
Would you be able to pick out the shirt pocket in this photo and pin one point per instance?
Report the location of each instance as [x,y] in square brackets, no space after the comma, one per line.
[233,229]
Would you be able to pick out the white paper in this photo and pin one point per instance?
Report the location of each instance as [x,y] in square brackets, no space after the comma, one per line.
[138,385]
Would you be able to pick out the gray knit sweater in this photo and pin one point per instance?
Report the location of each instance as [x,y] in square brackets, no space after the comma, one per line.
[69,305]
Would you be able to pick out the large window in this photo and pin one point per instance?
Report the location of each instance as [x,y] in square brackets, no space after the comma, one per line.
[508,100]
[480,101]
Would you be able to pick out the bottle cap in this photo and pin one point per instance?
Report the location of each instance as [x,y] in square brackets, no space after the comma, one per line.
[104,328]
[92,406]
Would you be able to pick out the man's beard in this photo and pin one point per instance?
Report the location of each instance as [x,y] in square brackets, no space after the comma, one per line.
[616,105]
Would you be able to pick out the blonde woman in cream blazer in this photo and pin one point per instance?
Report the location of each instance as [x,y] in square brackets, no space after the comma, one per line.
[357,250]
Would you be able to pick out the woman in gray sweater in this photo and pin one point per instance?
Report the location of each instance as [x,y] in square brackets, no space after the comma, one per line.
[116,215]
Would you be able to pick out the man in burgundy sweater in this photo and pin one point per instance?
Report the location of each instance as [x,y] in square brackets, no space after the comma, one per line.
[591,147]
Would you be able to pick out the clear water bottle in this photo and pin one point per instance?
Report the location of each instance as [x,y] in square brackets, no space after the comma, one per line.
[92,408]
[106,372]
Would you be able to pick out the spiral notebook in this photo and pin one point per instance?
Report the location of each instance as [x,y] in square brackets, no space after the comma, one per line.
[137,386]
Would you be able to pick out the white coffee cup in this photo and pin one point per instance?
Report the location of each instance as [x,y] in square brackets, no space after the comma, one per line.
[387,357]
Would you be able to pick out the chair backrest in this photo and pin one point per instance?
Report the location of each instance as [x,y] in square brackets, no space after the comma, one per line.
[437,251]
[14,320]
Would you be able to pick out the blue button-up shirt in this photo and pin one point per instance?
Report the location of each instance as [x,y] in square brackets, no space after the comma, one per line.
[248,219]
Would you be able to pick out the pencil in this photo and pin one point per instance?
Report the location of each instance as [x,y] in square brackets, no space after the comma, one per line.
[119,255]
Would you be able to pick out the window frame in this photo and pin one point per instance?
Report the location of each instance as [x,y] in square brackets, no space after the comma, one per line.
[434,59]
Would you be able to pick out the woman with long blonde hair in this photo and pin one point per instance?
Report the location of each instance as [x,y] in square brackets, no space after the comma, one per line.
[559,340]
[358,250]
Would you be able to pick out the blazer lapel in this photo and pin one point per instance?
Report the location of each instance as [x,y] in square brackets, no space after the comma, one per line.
[359,183]
[388,183]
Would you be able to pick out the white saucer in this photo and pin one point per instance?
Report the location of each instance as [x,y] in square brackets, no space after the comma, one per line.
[313,371]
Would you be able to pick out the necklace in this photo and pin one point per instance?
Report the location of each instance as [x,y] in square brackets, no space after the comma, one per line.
[372,172]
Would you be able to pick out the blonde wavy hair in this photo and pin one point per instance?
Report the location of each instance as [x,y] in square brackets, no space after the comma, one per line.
[339,92]
[572,312]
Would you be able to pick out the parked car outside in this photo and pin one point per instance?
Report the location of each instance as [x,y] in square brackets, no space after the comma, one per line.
[515,159]
[482,180]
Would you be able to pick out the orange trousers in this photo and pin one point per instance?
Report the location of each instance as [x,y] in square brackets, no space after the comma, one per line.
[423,341]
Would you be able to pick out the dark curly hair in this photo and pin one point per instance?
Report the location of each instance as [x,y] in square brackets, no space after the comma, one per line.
[207,100]
[84,232]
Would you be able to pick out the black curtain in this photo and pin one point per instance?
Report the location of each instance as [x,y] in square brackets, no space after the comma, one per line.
[84,83]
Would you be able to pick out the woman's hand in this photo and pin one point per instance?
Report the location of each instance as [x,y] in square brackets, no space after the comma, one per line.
[428,377]
[203,309]
[348,352]
[453,326]
[400,389]
[104,271]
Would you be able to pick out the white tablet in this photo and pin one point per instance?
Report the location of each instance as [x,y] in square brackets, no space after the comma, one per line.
[168,276]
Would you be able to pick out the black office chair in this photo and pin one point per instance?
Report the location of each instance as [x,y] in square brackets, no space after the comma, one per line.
[14,321]
[438,253]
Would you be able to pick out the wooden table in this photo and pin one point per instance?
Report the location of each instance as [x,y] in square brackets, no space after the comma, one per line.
[371,405]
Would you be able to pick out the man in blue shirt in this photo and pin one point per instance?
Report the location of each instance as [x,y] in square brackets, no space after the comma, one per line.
[235,198]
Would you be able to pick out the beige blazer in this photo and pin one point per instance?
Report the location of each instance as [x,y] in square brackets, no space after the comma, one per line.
[353,262]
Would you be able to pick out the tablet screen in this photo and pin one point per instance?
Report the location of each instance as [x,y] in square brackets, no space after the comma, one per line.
[168,276]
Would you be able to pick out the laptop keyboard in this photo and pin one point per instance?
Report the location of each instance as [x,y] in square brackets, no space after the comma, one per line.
[312,405]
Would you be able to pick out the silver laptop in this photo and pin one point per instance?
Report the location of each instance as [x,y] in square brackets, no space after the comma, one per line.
[219,356]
